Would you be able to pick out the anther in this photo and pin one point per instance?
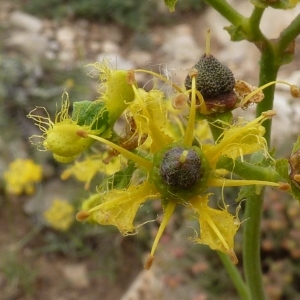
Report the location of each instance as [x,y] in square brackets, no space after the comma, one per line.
[82,215]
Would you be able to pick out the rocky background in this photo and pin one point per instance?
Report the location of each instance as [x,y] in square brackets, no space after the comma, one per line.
[40,57]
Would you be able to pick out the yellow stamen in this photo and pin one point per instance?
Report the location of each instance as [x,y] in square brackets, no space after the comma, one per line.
[189,133]
[82,215]
[138,159]
[263,87]
[214,152]
[233,182]
[163,78]
[167,216]
[216,231]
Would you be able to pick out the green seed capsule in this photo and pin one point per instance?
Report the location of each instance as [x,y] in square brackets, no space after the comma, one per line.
[180,173]
[180,168]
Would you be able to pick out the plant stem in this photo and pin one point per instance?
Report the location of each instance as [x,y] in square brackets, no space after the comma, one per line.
[227,11]
[289,34]
[254,203]
[235,276]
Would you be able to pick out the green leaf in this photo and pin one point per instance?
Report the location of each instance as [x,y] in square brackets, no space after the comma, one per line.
[236,33]
[90,113]
[279,4]
[247,192]
[119,180]
[296,145]
[171,4]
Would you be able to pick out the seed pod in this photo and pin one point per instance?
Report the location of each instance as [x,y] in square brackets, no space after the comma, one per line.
[215,82]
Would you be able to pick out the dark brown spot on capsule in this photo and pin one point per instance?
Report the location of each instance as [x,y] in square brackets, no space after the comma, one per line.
[180,168]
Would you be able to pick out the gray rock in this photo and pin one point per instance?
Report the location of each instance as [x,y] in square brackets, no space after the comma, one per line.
[26,22]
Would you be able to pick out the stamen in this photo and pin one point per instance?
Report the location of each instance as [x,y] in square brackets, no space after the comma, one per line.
[82,133]
[295,92]
[163,78]
[237,182]
[130,77]
[284,186]
[189,133]
[138,159]
[216,231]
[82,215]
[167,216]
[148,262]
[265,86]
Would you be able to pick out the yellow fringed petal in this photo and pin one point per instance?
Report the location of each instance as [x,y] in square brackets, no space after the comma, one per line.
[217,227]
[239,139]
[119,207]
[150,116]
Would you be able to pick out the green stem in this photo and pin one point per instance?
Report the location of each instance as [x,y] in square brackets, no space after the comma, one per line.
[248,170]
[227,11]
[289,34]
[254,204]
[235,276]
[251,246]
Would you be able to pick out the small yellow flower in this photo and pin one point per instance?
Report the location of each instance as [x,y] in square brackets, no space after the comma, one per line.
[21,176]
[94,117]
[85,170]
[60,215]
[188,186]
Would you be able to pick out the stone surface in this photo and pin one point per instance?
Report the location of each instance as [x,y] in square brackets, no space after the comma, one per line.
[25,21]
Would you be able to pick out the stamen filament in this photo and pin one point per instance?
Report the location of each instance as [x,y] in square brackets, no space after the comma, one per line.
[241,182]
[214,152]
[138,159]
[217,231]
[167,216]
[263,87]
[189,133]
[163,78]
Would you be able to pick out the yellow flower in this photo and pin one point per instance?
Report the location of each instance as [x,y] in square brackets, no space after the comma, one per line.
[60,215]
[86,169]
[21,176]
[179,173]
[94,117]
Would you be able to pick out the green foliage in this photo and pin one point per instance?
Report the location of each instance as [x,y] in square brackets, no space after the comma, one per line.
[171,4]
[18,274]
[130,13]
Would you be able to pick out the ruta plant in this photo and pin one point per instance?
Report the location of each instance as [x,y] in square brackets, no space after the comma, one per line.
[162,153]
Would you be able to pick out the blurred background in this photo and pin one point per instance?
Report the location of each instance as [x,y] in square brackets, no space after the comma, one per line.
[45,49]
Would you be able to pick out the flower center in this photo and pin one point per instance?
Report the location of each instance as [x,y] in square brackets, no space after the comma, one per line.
[180,168]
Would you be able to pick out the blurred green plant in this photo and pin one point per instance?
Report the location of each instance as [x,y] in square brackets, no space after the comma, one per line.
[19,275]
[130,13]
